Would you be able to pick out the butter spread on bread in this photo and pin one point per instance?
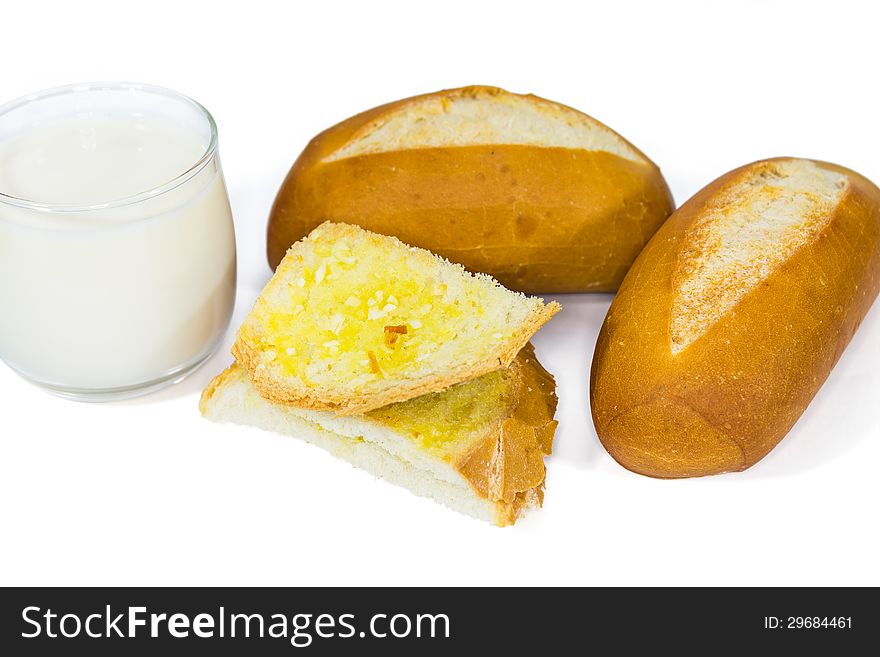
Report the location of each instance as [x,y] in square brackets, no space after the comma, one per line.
[352,321]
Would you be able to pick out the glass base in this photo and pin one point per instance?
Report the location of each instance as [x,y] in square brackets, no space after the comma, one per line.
[126,392]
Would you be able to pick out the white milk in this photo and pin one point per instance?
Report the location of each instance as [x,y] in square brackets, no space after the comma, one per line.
[123,296]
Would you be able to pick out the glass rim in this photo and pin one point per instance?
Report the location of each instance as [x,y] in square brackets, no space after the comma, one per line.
[153,192]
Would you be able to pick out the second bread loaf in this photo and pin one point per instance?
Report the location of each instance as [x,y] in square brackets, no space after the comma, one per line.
[734,315]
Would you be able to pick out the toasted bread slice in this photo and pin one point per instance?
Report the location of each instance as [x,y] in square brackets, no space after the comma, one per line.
[354,321]
[477,447]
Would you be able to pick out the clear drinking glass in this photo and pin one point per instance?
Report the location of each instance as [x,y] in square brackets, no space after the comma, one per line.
[117,249]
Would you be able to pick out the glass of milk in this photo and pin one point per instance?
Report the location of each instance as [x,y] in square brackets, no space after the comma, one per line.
[117,250]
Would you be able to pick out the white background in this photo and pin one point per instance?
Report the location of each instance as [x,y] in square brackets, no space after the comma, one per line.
[147,492]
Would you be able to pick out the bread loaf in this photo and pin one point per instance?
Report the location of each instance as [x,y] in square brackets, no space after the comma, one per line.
[536,194]
[733,316]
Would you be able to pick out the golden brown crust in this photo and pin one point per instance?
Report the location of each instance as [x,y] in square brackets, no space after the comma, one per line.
[537,219]
[726,400]
[507,466]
